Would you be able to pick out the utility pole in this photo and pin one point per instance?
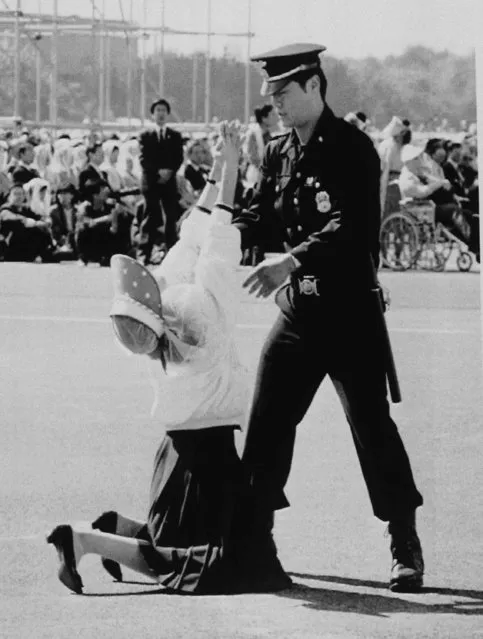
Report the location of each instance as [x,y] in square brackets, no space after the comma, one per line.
[108,75]
[102,65]
[194,88]
[247,68]
[208,67]
[54,71]
[161,53]
[130,40]
[143,63]
[16,70]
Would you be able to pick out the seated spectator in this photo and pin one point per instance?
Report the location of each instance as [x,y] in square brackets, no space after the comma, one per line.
[469,171]
[43,158]
[5,183]
[38,197]
[452,171]
[186,194]
[130,172]
[109,165]
[61,168]
[194,169]
[63,218]
[80,160]
[103,228]
[416,183]
[92,172]
[25,235]
[435,157]
[23,171]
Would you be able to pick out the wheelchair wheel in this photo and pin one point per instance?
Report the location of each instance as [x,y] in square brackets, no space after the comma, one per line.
[399,242]
[464,261]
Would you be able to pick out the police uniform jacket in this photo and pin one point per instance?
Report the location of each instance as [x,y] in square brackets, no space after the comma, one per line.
[322,204]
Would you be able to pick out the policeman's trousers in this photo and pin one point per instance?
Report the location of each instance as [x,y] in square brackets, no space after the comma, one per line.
[298,354]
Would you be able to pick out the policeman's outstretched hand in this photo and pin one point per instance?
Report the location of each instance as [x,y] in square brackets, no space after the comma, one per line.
[269,275]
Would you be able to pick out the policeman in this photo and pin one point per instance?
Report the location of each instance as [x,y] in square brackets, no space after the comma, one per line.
[318,195]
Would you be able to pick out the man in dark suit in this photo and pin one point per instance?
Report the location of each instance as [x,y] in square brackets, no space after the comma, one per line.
[92,173]
[161,155]
[330,324]
[23,172]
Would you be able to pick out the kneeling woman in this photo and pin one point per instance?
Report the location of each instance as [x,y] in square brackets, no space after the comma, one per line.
[194,539]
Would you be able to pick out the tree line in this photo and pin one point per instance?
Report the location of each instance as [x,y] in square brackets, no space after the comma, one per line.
[420,84]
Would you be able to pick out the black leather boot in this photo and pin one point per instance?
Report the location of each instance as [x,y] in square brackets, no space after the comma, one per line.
[407,556]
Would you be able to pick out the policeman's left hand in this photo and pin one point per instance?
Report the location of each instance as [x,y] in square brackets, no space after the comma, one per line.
[269,275]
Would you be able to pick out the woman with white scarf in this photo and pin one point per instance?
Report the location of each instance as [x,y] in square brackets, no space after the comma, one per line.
[61,172]
[110,165]
[38,197]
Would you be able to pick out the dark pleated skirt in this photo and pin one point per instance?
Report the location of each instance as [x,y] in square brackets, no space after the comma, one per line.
[195,511]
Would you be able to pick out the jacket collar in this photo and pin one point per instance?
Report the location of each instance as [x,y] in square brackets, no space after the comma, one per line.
[323,129]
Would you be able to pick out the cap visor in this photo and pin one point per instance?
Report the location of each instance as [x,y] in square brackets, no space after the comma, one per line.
[270,88]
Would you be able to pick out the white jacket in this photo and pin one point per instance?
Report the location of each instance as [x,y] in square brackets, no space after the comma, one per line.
[212,388]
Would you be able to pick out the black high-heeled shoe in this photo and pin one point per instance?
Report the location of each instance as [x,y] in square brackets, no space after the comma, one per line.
[107,523]
[62,537]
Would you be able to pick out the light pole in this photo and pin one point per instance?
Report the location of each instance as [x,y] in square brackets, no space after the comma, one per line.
[247,68]
[208,67]
[54,71]
[145,36]
[130,40]
[38,78]
[161,54]
[16,71]
[102,65]
[194,88]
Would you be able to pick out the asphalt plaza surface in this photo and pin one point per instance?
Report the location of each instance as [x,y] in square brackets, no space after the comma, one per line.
[77,438]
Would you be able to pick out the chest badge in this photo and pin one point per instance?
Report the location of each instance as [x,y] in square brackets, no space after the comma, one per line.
[322,201]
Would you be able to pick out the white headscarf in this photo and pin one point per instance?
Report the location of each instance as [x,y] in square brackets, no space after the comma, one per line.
[38,205]
[129,150]
[43,158]
[113,176]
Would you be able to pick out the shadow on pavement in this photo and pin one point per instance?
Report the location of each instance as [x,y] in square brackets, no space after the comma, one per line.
[378,605]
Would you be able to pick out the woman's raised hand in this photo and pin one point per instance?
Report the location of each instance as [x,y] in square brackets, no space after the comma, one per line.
[232,139]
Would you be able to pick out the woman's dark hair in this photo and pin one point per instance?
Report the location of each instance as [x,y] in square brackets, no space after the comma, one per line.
[302,78]
[262,112]
[432,145]
[406,136]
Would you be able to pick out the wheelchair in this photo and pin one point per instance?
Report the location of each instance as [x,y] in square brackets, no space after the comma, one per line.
[410,238]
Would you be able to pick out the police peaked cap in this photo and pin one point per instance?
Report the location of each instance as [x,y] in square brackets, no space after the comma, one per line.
[282,64]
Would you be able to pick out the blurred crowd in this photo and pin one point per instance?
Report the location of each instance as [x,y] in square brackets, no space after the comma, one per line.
[80,198]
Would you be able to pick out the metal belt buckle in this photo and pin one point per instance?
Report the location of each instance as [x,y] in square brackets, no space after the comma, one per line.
[308,285]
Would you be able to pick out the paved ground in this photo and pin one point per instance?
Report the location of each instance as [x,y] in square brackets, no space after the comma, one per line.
[76,439]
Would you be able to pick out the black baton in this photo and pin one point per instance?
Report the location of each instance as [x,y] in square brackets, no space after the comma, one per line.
[389,364]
